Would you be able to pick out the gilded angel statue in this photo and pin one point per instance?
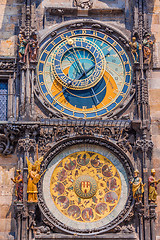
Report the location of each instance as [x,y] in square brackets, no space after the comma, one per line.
[33,179]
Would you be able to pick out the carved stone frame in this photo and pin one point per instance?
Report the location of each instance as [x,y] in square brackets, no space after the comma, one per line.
[60,146]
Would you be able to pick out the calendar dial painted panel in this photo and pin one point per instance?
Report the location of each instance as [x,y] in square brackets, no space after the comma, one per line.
[84,73]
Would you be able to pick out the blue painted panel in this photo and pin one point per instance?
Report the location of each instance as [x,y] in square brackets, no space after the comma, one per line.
[43,88]
[41,78]
[113,105]
[119,99]
[103,111]
[41,65]
[50,99]
[78,32]
[66,111]
[90,115]
[101,35]
[125,88]
[127,67]
[57,40]
[43,57]
[58,106]
[118,47]
[128,78]
[80,115]
[124,57]
[49,47]
[110,40]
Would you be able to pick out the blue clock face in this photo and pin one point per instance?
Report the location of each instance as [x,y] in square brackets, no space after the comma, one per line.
[84,73]
[78,63]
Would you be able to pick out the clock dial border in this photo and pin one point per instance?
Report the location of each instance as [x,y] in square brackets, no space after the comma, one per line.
[50,160]
[93,112]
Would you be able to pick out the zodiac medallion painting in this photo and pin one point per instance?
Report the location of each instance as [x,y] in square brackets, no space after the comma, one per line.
[85,186]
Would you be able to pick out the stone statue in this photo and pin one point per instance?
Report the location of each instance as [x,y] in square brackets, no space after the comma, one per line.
[147,49]
[137,186]
[22,47]
[18,180]
[152,187]
[33,48]
[86,4]
[33,179]
[135,47]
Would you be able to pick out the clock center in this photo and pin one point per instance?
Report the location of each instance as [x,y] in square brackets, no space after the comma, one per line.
[78,64]
[85,186]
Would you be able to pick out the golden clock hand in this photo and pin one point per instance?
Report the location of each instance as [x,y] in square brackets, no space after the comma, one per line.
[85,72]
[78,60]
[69,83]
[71,43]
[75,59]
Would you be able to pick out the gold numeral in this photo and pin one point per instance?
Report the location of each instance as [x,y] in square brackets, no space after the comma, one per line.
[83,31]
[42,61]
[45,51]
[85,115]
[115,91]
[110,98]
[73,33]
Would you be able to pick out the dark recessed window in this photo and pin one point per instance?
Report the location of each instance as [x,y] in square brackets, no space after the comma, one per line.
[3,99]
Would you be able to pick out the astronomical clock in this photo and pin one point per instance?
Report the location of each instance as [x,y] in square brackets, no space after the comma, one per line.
[84,73]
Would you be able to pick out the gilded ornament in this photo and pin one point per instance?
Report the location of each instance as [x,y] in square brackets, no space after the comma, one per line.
[135,48]
[85,186]
[33,179]
[137,186]
[152,185]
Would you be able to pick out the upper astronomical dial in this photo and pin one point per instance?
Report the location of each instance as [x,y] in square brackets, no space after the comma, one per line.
[84,73]
[78,63]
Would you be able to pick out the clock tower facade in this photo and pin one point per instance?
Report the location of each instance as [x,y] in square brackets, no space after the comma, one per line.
[77,120]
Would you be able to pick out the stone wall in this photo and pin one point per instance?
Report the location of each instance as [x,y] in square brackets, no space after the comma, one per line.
[7,221]
[9,14]
[154,97]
